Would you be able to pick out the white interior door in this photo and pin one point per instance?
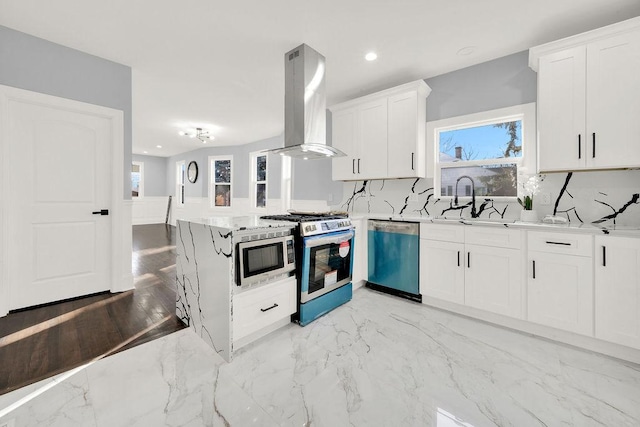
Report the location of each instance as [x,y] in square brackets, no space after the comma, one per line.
[60,163]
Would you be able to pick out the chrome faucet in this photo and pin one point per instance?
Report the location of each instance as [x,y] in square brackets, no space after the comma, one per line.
[473,195]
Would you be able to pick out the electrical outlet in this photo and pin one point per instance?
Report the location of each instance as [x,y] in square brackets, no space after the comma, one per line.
[545,199]
[8,423]
[413,197]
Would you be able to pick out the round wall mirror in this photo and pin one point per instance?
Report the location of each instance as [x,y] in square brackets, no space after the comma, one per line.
[192,172]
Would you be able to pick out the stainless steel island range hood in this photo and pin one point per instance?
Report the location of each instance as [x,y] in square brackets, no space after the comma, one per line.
[305,104]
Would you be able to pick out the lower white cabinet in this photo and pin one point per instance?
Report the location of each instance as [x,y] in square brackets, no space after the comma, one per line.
[484,272]
[493,279]
[560,281]
[617,288]
[442,270]
[257,309]
[570,281]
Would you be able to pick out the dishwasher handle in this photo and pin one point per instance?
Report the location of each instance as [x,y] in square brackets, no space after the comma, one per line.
[397,227]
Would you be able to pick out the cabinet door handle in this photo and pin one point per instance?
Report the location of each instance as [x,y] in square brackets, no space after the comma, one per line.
[593,151]
[468,259]
[534,269]
[579,146]
[458,258]
[412,156]
[269,308]
[558,243]
[353,166]
[604,256]
[358,165]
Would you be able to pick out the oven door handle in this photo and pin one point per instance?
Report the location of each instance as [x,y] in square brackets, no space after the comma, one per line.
[343,237]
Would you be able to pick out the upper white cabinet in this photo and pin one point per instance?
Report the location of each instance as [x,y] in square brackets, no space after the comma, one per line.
[382,134]
[617,285]
[589,99]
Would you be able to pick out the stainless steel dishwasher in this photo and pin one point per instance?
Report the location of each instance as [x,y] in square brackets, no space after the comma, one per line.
[393,255]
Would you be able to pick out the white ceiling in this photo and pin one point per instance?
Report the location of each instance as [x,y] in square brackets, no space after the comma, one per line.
[220,64]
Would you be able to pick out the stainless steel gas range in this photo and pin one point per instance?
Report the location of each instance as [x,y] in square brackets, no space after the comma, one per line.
[324,250]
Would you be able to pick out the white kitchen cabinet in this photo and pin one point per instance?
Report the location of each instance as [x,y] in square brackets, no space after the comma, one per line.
[372,131]
[361,133]
[406,133]
[344,129]
[493,279]
[442,270]
[613,102]
[382,134]
[255,310]
[561,110]
[478,266]
[589,99]
[560,281]
[617,290]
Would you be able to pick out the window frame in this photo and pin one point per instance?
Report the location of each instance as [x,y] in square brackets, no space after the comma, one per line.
[253,180]
[181,176]
[212,183]
[141,182]
[525,164]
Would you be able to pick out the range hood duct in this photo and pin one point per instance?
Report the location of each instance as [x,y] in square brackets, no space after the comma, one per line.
[305,104]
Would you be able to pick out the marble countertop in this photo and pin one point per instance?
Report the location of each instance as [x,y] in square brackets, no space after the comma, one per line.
[240,223]
[572,227]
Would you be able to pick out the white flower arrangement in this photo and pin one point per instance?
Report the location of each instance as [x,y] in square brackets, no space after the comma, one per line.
[529,188]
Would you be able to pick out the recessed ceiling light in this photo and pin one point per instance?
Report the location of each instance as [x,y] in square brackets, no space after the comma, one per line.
[145,152]
[159,146]
[371,56]
[465,51]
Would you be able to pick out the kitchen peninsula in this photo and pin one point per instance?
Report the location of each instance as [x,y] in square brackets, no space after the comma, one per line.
[209,299]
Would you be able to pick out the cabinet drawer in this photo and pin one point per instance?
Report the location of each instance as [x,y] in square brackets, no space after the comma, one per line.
[493,236]
[258,308]
[560,243]
[441,232]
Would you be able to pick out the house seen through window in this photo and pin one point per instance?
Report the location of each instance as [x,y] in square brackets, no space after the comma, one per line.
[220,180]
[259,179]
[483,153]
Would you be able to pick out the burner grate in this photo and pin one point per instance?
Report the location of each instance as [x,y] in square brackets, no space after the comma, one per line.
[303,217]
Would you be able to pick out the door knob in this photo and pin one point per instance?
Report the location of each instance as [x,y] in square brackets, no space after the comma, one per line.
[101,212]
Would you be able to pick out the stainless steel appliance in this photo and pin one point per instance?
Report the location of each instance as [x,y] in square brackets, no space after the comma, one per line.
[324,247]
[393,258]
[305,106]
[262,259]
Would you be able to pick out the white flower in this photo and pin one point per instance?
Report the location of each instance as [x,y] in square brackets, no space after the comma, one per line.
[530,186]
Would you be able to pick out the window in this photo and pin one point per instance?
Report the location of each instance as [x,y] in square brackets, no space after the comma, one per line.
[137,179]
[258,188]
[181,175]
[220,172]
[484,152]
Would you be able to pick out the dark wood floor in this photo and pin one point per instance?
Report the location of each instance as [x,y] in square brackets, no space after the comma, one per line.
[40,342]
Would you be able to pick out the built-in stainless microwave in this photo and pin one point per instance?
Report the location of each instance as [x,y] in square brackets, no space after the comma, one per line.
[260,261]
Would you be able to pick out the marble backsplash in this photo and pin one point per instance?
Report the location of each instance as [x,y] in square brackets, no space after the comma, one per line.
[600,197]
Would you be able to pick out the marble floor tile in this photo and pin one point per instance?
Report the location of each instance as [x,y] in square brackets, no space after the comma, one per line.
[376,361]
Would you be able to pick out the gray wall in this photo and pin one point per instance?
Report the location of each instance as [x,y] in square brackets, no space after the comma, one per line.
[311,178]
[155,175]
[312,181]
[240,166]
[499,83]
[34,64]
